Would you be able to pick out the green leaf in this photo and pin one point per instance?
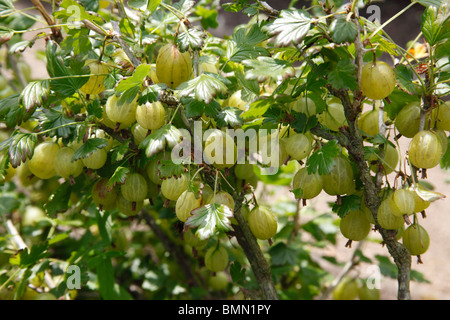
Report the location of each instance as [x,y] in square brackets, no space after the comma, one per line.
[104,223]
[434,27]
[94,108]
[72,12]
[5,34]
[29,257]
[229,116]
[119,152]
[190,38]
[118,177]
[238,273]
[135,80]
[89,147]
[209,219]
[281,254]
[169,169]
[238,52]
[398,99]
[348,203]
[343,30]
[445,161]
[151,93]
[322,159]
[302,123]
[290,28]
[59,201]
[65,85]
[12,112]
[208,17]
[263,68]
[194,108]
[21,147]
[55,119]
[34,94]
[428,3]
[343,75]
[8,204]
[405,77]
[204,88]
[257,108]
[158,139]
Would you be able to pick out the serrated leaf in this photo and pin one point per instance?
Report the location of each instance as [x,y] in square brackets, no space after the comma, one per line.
[190,38]
[229,116]
[12,112]
[343,30]
[119,152]
[118,177]
[237,273]
[348,203]
[55,119]
[59,201]
[151,93]
[302,123]
[135,80]
[209,219]
[322,160]
[169,169]
[257,109]
[203,88]
[5,34]
[405,77]
[432,26]
[21,147]
[34,93]
[343,75]
[428,3]
[89,147]
[237,53]
[263,68]
[290,28]
[158,139]
[281,254]
[29,257]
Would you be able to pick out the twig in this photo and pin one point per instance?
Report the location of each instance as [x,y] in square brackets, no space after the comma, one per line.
[118,37]
[21,245]
[56,31]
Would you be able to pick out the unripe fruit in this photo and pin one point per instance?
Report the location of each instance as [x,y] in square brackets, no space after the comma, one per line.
[135,187]
[298,146]
[389,160]
[236,101]
[64,165]
[32,215]
[244,171]
[347,289]
[102,196]
[339,180]
[151,116]
[124,114]
[311,184]
[139,133]
[419,203]
[192,240]
[223,197]
[304,105]
[154,166]
[368,122]
[216,259]
[99,72]
[173,67]
[207,194]
[365,293]
[425,150]
[42,163]
[262,222]
[219,281]
[220,149]
[387,219]
[355,226]
[416,239]
[377,80]
[442,116]
[45,296]
[334,116]
[402,202]
[173,187]
[128,208]
[96,159]
[26,177]
[407,120]
[185,204]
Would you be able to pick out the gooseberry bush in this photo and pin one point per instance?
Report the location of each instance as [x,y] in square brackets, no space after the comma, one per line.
[143,164]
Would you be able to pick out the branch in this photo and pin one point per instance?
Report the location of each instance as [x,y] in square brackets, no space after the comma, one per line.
[175,250]
[118,37]
[255,256]
[56,31]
